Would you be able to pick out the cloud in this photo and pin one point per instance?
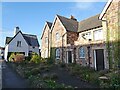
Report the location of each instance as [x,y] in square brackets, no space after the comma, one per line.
[83,5]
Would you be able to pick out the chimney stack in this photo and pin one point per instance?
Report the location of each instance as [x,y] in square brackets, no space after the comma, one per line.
[73,18]
[16,30]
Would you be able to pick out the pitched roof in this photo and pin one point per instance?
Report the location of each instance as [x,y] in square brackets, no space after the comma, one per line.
[90,23]
[105,9]
[49,24]
[30,39]
[8,39]
[69,24]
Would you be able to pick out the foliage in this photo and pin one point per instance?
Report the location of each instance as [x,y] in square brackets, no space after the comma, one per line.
[11,58]
[35,58]
[49,61]
[19,58]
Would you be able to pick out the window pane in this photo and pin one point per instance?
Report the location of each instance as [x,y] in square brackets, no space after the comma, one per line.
[82,52]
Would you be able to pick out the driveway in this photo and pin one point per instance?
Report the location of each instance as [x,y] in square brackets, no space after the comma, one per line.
[10,79]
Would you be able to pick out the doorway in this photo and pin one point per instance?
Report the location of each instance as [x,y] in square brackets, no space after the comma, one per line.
[99,58]
[69,57]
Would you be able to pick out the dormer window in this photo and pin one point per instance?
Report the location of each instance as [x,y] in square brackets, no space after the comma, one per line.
[57,36]
[18,43]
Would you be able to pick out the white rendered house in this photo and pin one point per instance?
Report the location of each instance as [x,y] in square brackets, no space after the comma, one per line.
[23,43]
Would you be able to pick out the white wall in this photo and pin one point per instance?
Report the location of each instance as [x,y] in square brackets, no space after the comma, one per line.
[13,45]
[6,52]
[36,49]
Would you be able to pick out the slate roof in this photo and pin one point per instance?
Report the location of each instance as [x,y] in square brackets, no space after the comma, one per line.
[49,24]
[69,24]
[90,23]
[8,39]
[30,39]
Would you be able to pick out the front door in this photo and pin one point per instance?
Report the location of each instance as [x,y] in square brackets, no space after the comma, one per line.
[99,59]
[69,57]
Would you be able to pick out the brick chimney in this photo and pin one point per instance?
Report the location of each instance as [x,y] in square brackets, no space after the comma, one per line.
[73,18]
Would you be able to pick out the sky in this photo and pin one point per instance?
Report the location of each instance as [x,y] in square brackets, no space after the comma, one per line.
[31,16]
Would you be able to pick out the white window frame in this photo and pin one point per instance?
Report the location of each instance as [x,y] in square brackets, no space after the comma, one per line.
[46,40]
[82,52]
[57,53]
[98,34]
[19,43]
[87,35]
[57,36]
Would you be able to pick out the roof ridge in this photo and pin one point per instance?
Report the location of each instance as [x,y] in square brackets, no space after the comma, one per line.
[65,17]
[89,18]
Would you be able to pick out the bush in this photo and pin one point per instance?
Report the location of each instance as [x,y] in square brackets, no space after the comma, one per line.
[35,58]
[11,58]
[54,76]
[49,61]
[19,58]
[103,72]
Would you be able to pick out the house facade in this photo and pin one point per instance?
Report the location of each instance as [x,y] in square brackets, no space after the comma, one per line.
[22,43]
[110,17]
[46,40]
[87,42]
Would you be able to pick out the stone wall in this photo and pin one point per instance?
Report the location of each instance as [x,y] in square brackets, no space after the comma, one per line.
[44,46]
[71,37]
[112,33]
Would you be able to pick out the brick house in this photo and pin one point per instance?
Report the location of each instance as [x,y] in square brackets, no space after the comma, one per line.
[46,40]
[85,42]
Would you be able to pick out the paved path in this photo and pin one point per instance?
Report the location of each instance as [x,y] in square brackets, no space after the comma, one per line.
[10,79]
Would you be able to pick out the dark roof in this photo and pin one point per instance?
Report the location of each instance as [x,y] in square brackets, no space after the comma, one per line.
[49,24]
[30,39]
[69,24]
[2,48]
[8,39]
[90,23]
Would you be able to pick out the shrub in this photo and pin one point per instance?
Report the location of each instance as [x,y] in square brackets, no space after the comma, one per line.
[11,58]
[19,58]
[103,72]
[35,58]
[49,61]
[62,65]
[35,71]
[46,76]
[54,76]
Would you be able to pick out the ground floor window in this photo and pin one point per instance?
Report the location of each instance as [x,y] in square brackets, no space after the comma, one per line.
[81,52]
[57,53]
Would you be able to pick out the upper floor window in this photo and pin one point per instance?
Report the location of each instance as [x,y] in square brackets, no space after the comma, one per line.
[18,43]
[46,40]
[98,34]
[57,53]
[82,52]
[87,35]
[57,36]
